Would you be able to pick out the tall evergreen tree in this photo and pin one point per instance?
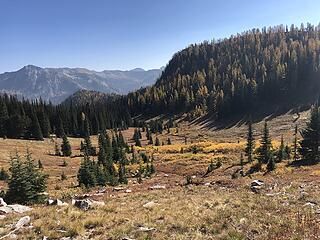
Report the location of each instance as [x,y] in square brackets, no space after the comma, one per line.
[87,173]
[65,146]
[295,144]
[34,129]
[157,142]
[102,156]
[44,124]
[265,149]
[250,143]
[122,170]
[3,118]
[281,155]
[309,145]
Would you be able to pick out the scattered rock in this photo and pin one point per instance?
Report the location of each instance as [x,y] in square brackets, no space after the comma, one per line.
[2,217]
[311,204]
[128,191]
[243,221]
[146,229]
[22,222]
[126,238]
[5,210]
[256,186]
[150,204]
[207,184]
[86,204]
[13,236]
[117,189]
[14,208]
[102,190]
[57,202]
[98,194]
[2,203]
[166,175]
[19,208]
[156,187]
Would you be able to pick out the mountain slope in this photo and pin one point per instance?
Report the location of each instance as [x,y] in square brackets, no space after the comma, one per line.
[257,69]
[84,97]
[56,84]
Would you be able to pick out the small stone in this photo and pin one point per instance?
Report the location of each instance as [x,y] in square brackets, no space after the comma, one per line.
[2,203]
[150,204]
[128,191]
[117,189]
[243,221]
[22,222]
[156,187]
[146,229]
[311,204]
[86,204]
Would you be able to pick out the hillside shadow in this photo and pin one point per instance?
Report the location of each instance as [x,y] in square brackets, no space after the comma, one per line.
[266,113]
[301,163]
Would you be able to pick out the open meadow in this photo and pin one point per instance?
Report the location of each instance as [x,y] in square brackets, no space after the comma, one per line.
[179,201]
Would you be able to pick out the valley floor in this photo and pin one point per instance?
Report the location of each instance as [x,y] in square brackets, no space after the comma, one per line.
[216,206]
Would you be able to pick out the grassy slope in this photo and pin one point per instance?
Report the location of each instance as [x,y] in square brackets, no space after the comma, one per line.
[227,209]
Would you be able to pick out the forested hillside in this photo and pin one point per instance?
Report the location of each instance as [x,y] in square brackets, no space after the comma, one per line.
[235,75]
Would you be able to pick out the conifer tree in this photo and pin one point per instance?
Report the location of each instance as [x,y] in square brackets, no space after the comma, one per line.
[137,137]
[3,118]
[26,184]
[65,147]
[150,140]
[4,176]
[44,124]
[122,171]
[271,165]
[295,144]
[157,142]
[60,129]
[265,149]
[56,148]
[101,176]
[87,173]
[121,141]
[309,145]
[40,166]
[250,143]
[34,129]
[102,142]
[169,141]
[281,151]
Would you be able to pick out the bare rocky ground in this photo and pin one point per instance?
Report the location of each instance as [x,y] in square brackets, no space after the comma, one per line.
[284,204]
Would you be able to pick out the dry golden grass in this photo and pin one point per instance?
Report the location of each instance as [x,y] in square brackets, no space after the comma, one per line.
[227,209]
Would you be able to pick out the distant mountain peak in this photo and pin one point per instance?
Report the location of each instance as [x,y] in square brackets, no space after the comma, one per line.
[137,70]
[56,84]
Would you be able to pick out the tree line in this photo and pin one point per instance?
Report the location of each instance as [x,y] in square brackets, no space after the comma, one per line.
[37,119]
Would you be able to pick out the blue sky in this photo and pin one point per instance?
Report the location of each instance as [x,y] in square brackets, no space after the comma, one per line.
[124,34]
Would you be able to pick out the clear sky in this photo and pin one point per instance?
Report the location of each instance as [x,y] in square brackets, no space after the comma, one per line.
[124,34]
